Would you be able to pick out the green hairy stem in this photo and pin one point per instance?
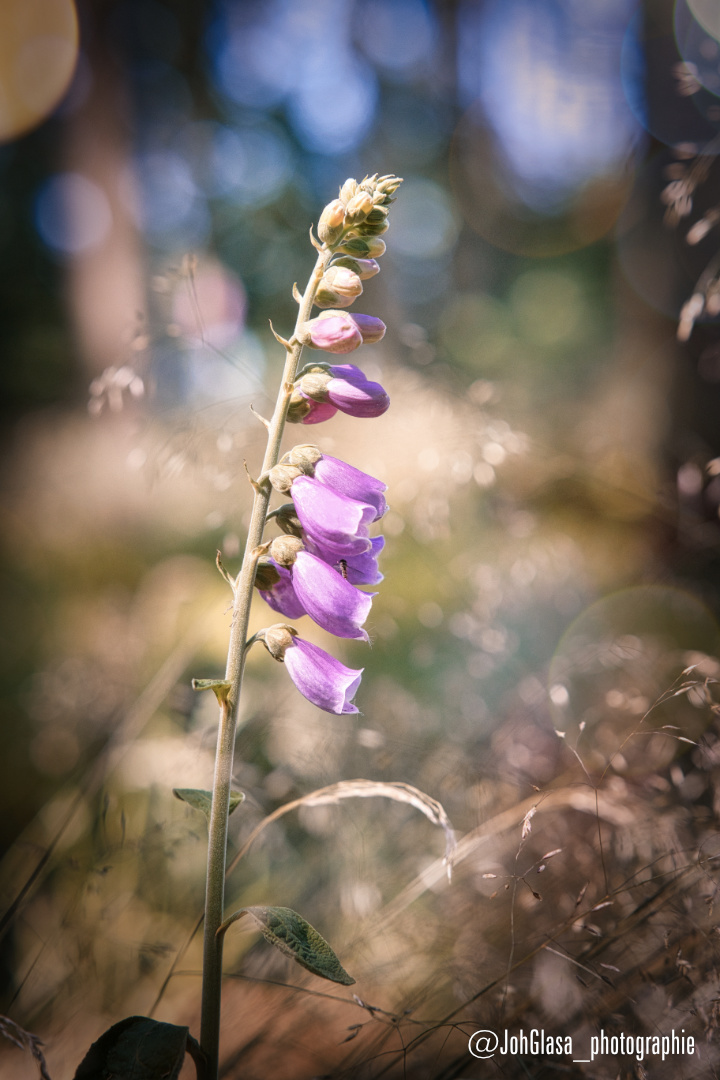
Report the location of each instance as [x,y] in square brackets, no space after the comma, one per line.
[229,708]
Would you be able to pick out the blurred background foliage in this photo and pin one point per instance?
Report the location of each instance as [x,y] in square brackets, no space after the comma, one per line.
[552,547]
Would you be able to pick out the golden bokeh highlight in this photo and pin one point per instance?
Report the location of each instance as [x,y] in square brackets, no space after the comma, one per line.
[38,54]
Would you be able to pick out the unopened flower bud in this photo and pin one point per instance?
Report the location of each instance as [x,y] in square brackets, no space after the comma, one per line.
[314,385]
[266,574]
[328,298]
[387,186]
[331,333]
[284,550]
[366,229]
[348,190]
[358,207]
[364,268]
[372,329]
[304,456]
[342,280]
[277,639]
[367,247]
[282,476]
[376,216]
[288,520]
[351,392]
[331,221]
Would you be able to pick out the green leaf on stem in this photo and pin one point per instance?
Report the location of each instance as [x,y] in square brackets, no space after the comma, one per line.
[295,937]
[201,800]
[139,1048]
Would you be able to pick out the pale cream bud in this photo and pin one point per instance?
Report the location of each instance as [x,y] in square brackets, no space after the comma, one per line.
[358,207]
[348,190]
[331,221]
[343,281]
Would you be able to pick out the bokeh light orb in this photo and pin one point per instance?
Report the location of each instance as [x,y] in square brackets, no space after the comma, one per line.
[72,214]
[625,652]
[425,224]
[38,54]
[483,185]
[707,13]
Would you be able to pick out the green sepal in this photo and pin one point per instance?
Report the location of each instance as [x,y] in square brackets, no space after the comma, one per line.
[219,687]
[295,937]
[139,1048]
[201,800]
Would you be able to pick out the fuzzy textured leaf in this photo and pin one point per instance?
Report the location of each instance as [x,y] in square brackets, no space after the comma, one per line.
[136,1048]
[295,937]
[201,800]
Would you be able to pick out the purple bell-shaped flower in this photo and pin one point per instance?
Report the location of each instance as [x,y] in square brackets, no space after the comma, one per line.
[335,521]
[321,678]
[350,481]
[281,595]
[357,569]
[331,601]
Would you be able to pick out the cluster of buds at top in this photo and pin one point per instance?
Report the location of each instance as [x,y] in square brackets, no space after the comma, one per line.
[360,210]
[350,226]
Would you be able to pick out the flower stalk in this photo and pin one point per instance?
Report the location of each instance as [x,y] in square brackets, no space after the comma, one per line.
[317,675]
[229,709]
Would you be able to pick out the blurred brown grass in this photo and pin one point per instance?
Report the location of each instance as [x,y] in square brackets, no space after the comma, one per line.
[502,682]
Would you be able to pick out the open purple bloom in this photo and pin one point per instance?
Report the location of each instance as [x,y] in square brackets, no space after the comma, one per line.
[363,569]
[336,522]
[281,596]
[321,678]
[357,569]
[349,481]
[334,604]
